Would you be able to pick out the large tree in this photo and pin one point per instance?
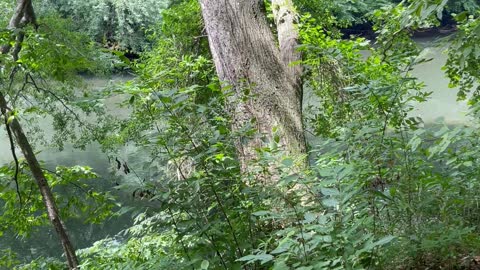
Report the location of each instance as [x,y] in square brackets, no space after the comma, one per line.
[247,58]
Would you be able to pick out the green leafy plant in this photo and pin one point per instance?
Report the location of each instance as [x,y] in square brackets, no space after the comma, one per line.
[118,24]
[383,190]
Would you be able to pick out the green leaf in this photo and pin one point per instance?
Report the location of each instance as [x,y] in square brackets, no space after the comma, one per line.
[263,258]
[280,265]
[220,157]
[261,213]
[461,17]
[276,138]
[309,217]
[381,242]
[323,265]
[205,264]
[288,162]
[10,119]
[330,191]
[330,202]
[121,56]
[415,142]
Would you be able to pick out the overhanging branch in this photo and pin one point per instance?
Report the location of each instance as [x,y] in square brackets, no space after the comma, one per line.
[14,155]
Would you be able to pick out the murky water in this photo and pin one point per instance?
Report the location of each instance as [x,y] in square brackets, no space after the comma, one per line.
[443,104]
[45,241]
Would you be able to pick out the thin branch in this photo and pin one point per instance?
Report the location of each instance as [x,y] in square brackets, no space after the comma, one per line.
[15,158]
[71,183]
[175,224]
[14,101]
[18,45]
[38,88]
[27,99]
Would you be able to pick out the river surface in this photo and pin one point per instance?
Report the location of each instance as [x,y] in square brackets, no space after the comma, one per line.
[442,105]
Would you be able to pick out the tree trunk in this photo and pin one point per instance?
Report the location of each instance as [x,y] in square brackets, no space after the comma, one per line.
[24,14]
[47,196]
[285,20]
[247,58]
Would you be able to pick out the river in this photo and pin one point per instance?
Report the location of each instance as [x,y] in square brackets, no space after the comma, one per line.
[442,105]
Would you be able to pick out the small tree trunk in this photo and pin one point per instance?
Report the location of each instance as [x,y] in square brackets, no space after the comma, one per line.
[43,186]
[24,14]
[247,58]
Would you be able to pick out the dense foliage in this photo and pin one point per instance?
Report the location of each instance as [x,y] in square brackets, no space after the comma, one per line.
[118,24]
[383,189]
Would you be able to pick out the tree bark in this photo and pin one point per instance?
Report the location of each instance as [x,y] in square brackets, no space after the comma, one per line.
[286,18]
[247,58]
[24,14]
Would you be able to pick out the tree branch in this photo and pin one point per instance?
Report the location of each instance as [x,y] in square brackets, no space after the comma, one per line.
[38,88]
[15,158]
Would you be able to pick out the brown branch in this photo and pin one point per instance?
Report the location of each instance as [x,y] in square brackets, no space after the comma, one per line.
[18,45]
[15,158]
[23,15]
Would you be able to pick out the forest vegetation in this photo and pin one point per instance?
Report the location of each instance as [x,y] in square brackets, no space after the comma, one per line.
[217,158]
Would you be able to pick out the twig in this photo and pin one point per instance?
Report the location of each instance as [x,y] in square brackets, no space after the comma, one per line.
[15,158]
[71,183]
[38,88]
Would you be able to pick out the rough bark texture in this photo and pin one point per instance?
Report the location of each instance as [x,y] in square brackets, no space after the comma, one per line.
[246,57]
[24,14]
[286,20]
